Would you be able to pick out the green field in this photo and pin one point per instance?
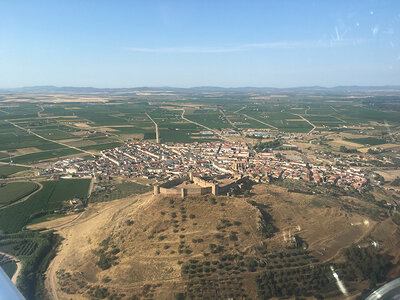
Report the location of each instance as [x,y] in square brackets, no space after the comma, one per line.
[209,118]
[54,134]
[38,156]
[118,191]
[51,197]
[7,170]
[129,188]
[45,218]
[367,141]
[14,191]
[9,268]
[4,155]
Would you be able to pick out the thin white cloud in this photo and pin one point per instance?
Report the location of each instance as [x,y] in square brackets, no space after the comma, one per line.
[389,30]
[250,47]
[338,37]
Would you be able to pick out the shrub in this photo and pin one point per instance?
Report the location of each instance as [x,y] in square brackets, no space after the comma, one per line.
[233,236]
[180,296]
[129,222]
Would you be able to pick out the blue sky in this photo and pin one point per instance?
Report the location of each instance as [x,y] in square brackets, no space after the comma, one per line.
[194,43]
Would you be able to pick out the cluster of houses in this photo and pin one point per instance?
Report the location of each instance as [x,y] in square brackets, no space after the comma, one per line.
[162,161]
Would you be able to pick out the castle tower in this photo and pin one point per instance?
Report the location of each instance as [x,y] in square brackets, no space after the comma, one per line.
[214,189]
[156,190]
[183,193]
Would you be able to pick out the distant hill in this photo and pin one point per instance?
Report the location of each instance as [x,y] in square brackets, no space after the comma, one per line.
[68,89]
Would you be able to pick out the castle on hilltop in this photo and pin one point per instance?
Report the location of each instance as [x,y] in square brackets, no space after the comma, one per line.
[192,185]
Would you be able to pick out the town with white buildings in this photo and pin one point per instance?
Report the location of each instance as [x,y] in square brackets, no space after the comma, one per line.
[162,162]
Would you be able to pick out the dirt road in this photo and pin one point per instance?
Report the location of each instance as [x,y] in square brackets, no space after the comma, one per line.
[314,127]
[272,126]
[198,124]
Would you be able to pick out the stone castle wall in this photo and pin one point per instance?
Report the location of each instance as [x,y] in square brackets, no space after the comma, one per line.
[170,188]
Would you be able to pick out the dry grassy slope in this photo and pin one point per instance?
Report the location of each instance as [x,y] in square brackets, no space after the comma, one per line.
[139,262]
[154,232]
[149,248]
[325,229]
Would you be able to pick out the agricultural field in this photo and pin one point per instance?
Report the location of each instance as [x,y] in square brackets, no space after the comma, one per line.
[209,118]
[218,247]
[7,170]
[121,118]
[50,198]
[13,191]
[44,155]
[367,141]
[111,191]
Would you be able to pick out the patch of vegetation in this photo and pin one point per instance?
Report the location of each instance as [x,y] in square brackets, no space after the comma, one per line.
[109,191]
[395,182]
[35,250]
[265,221]
[302,282]
[366,263]
[267,145]
[367,141]
[344,149]
[107,258]
[396,218]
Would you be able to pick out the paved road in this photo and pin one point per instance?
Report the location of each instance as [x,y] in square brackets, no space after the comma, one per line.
[49,140]
[156,125]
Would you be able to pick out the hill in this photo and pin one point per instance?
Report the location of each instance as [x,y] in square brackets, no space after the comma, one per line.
[209,247]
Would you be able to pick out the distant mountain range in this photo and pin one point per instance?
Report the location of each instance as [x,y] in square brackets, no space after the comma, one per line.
[204,89]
